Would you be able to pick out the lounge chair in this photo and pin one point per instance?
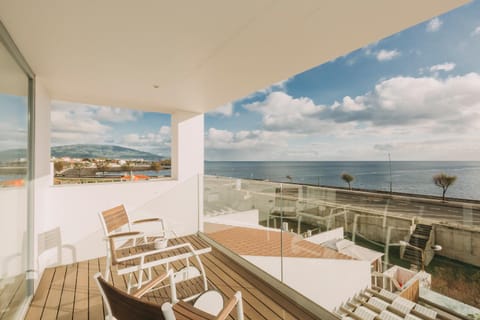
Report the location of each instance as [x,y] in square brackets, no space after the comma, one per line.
[124,306]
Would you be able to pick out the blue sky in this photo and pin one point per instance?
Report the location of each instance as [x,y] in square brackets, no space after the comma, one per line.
[74,124]
[415,94]
[13,131]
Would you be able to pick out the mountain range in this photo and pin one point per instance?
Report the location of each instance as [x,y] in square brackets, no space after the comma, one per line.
[86,151]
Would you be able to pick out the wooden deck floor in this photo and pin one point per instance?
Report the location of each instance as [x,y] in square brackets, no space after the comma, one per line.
[70,292]
[12,295]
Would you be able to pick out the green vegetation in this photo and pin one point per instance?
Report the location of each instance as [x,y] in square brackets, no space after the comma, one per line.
[102,166]
[444,181]
[156,166]
[128,166]
[58,166]
[348,178]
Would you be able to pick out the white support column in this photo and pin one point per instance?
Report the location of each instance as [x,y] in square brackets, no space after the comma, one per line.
[187,145]
[188,154]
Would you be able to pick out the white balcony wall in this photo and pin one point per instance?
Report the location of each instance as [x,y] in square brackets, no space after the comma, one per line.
[327,282]
[12,229]
[67,225]
[73,210]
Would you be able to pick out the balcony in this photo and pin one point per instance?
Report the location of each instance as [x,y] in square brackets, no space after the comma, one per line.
[291,254]
[69,292]
[170,58]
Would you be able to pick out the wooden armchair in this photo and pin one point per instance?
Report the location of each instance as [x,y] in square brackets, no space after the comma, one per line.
[123,306]
[122,239]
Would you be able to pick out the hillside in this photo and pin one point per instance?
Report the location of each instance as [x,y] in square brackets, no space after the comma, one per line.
[86,151]
[13,155]
[102,151]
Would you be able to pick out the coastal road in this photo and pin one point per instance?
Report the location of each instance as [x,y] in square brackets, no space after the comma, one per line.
[451,211]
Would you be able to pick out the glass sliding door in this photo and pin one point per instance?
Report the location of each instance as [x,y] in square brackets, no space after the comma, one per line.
[14,185]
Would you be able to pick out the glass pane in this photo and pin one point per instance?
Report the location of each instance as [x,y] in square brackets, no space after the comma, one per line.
[13,189]
[102,144]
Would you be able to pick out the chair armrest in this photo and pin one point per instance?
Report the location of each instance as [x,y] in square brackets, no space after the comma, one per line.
[236,300]
[190,253]
[130,234]
[157,280]
[146,220]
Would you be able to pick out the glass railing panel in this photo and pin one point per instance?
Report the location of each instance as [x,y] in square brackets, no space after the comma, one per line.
[335,241]
[238,215]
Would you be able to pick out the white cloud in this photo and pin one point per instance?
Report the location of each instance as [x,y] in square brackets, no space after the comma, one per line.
[390,117]
[158,142]
[476,32]
[112,114]
[451,104]
[434,25]
[448,66]
[245,144]
[281,112]
[384,55]
[226,110]
[13,137]
[80,123]
[77,124]
[279,86]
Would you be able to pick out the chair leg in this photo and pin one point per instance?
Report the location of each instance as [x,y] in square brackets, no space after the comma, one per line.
[239,306]
[129,283]
[107,267]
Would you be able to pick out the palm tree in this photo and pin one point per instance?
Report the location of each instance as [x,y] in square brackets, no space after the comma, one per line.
[444,181]
[348,178]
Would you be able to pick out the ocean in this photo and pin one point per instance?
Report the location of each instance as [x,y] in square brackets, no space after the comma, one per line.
[406,176]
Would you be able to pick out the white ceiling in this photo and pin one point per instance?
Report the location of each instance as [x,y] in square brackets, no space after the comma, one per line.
[200,54]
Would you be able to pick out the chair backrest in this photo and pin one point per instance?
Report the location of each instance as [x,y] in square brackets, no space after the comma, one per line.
[286,197]
[124,306]
[114,218]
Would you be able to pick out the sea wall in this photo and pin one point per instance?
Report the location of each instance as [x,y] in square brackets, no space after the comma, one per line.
[459,243]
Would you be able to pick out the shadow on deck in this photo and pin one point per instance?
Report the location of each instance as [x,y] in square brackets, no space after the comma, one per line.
[70,292]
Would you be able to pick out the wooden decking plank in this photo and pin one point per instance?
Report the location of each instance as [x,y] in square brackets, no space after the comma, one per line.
[54,295]
[95,303]
[80,307]
[212,282]
[38,302]
[285,310]
[288,309]
[68,294]
[229,283]
[260,300]
[13,297]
